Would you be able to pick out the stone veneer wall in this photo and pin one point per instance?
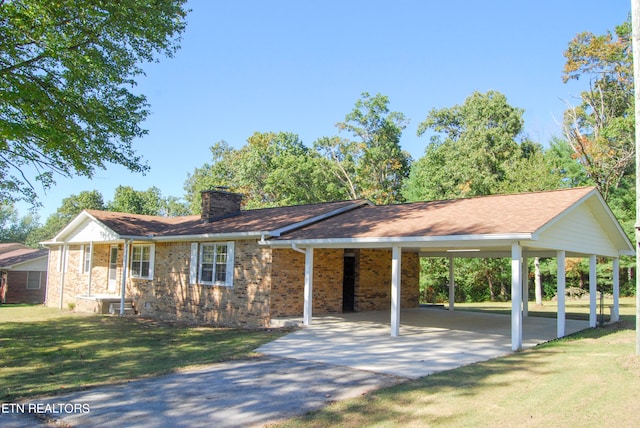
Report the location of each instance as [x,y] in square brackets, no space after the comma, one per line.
[77,282]
[372,285]
[171,297]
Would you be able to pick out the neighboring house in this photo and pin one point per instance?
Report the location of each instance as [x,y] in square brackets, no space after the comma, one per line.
[23,274]
[244,268]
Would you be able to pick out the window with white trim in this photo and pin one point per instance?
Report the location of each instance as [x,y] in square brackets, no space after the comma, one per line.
[86,259]
[142,261]
[212,263]
[33,280]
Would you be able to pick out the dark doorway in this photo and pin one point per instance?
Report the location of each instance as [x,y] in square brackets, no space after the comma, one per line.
[349,283]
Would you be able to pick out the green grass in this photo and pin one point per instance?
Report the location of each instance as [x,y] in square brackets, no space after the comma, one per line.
[46,351]
[590,379]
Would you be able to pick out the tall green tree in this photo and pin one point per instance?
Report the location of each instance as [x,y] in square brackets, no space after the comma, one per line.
[68,210]
[601,129]
[13,227]
[271,169]
[146,202]
[471,151]
[67,70]
[378,162]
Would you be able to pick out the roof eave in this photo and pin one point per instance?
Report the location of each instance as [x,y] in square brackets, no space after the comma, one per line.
[408,241]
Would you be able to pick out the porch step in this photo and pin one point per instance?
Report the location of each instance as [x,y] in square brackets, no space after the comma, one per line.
[114,309]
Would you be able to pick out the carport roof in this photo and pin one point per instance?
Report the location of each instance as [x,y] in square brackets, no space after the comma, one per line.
[522,216]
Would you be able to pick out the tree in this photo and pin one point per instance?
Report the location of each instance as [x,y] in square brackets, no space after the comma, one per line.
[601,129]
[14,228]
[146,202]
[379,164]
[67,69]
[271,169]
[474,147]
[68,210]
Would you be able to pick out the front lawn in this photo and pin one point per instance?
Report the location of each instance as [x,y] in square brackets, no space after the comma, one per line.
[590,379]
[47,351]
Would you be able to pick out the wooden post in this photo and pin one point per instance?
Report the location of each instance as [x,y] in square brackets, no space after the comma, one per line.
[125,264]
[593,292]
[560,295]
[635,39]
[308,286]
[396,255]
[516,297]
[452,284]
[615,311]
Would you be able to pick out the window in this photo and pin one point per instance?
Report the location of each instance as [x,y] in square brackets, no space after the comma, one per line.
[212,263]
[33,280]
[86,259]
[142,261]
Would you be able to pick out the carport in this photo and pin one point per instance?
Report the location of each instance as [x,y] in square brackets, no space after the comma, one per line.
[557,224]
[432,339]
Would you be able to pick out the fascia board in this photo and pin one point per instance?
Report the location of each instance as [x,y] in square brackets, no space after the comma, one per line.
[400,240]
[75,223]
[605,208]
[205,236]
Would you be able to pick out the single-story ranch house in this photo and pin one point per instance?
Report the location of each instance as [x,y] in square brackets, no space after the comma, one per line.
[23,273]
[237,267]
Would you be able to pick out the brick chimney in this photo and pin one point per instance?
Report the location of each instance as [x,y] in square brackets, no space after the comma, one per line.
[218,204]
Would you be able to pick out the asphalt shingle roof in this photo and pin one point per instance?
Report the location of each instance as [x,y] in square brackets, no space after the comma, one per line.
[498,214]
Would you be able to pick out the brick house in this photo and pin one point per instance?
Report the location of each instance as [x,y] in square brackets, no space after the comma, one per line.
[237,267]
[23,274]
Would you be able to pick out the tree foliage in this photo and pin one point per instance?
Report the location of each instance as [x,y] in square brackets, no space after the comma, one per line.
[601,129]
[271,169]
[376,160]
[14,228]
[67,69]
[475,146]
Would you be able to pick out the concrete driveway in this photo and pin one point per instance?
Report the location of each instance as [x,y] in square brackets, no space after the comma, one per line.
[336,358]
[431,340]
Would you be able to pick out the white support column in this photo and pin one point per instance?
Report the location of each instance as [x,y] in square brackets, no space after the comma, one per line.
[308,286]
[615,311]
[525,286]
[452,284]
[125,265]
[593,291]
[396,255]
[560,293]
[89,279]
[516,297]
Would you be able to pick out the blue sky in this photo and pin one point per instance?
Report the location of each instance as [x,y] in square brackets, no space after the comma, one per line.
[299,66]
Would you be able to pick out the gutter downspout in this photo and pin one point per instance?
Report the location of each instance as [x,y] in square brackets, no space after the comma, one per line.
[90,267]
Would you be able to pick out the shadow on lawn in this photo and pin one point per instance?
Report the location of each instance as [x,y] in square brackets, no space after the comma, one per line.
[397,404]
[49,357]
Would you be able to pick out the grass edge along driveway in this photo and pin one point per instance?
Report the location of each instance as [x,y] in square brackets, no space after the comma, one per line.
[45,351]
[590,379]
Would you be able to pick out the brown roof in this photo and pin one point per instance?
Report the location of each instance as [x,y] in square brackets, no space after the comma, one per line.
[13,254]
[259,220]
[499,214]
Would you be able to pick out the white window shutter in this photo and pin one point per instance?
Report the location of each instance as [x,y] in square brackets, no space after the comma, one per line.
[193,266]
[81,264]
[230,257]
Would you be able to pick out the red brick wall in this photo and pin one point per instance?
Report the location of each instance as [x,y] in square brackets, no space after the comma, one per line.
[171,297]
[372,284]
[17,291]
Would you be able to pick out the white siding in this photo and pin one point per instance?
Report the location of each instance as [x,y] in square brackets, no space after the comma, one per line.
[579,231]
[91,231]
